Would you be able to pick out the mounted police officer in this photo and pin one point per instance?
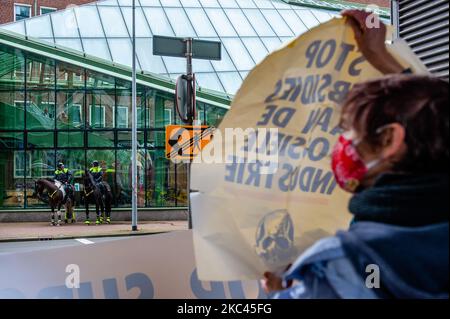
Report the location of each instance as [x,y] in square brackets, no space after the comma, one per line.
[64,175]
[97,174]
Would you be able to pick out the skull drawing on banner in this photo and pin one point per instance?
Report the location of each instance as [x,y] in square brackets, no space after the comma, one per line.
[275,238]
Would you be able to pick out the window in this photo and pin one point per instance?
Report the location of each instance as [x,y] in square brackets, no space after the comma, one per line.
[48,109]
[122,116]
[45,10]
[21,11]
[167,116]
[97,116]
[75,114]
[19,164]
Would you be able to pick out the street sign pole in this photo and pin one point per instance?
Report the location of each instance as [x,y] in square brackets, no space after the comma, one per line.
[190,112]
[188,48]
[134,187]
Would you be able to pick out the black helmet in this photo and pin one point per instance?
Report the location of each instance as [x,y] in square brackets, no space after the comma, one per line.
[95,163]
[60,165]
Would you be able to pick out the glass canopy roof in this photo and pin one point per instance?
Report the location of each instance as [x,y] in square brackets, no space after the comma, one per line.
[248,30]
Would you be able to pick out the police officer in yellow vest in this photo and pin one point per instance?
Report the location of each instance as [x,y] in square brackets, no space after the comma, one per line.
[64,175]
[97,174]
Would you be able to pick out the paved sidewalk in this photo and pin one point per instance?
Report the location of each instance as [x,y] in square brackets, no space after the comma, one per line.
[44,231]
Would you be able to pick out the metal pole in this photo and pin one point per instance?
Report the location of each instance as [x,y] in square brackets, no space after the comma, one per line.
[134,186]
[190,117]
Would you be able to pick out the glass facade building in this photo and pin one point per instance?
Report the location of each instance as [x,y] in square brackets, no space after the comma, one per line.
[65,90]
[52,111]
[248,30]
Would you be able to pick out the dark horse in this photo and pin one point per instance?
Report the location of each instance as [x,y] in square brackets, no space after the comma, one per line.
[55,199]
[93,194]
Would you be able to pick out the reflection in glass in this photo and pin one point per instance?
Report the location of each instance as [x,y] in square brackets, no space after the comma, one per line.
[70,139]
[11,140]
[40,72]
[12,68]
[96,80]
[12,113]
[12,171]
[40,140]
[70,109]
[123,175]
[42,165]
[124,109]
[100,109]
[124,139]
[69,76]
[100,139]
[40,110]
[92,114]
[161,181]
[214,115]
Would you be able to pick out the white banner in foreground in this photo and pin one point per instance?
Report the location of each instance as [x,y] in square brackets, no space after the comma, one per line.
[157,266]
[247,221]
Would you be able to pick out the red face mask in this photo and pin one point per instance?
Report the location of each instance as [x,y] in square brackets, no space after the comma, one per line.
[348,167]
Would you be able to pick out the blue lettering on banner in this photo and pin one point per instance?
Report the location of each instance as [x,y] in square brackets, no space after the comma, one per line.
[56,292]
[110,288]
[132,281]
[142,282]
[217,290]
[85,291]
[11,293]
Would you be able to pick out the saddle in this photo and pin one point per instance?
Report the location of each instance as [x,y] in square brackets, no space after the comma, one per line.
[66,189]
[61,187]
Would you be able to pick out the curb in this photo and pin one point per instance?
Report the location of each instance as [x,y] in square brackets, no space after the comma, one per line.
[10,240]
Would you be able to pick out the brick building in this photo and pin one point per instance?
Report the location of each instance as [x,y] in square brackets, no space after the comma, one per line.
[380,3]
[14,10]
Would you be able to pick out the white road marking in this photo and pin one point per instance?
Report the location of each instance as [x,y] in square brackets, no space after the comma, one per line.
[84,241]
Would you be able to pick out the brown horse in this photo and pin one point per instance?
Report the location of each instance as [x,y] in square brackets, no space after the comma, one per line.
[55,194]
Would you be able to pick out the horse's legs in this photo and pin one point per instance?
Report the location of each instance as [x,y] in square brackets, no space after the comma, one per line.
[102,210]
[97,212]
[86,204]
[66,211]
[69,208]
[72,209]
[53,215]
[108,200]
[59,213]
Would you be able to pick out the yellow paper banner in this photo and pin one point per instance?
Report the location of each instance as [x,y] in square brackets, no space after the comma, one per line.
[246,222]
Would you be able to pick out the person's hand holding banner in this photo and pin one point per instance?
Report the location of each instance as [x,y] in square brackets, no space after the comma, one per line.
[255,214]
